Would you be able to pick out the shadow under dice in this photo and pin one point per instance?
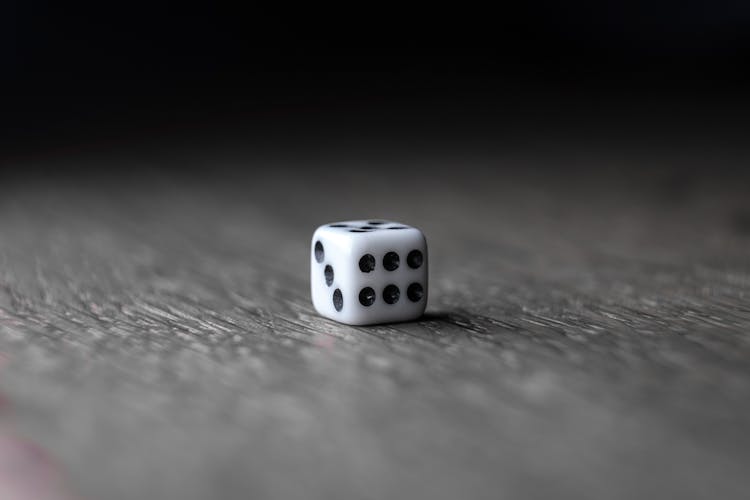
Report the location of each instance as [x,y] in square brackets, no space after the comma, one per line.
[369,271]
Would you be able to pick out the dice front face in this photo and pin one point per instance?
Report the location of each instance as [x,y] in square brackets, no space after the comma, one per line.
[368,271]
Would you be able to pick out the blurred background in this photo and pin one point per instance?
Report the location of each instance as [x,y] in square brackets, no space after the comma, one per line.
[365,82]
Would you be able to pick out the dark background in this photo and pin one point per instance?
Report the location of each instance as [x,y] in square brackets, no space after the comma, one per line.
[379,80]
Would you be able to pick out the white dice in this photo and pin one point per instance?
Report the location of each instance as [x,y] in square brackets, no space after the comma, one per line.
[368,271]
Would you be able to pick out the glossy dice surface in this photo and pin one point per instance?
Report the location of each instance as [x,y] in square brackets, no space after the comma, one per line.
[368,271]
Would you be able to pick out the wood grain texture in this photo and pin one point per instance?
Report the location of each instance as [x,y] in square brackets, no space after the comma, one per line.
[587,335]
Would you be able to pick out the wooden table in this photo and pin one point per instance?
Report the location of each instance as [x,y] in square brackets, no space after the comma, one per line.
[587,333]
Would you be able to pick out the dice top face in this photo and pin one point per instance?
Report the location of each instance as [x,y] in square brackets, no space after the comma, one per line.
[368,271]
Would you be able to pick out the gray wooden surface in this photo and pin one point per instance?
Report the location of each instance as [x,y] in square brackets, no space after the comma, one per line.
[587,335]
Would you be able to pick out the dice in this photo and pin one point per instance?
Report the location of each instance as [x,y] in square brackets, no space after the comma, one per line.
[368,271]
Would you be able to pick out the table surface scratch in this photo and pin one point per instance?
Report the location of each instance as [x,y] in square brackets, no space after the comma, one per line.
[587,336]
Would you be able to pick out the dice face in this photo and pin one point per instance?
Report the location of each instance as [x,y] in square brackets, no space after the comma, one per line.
[368,271]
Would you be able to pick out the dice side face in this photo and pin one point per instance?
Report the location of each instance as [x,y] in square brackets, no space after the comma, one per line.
[381,274]
[330,274]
